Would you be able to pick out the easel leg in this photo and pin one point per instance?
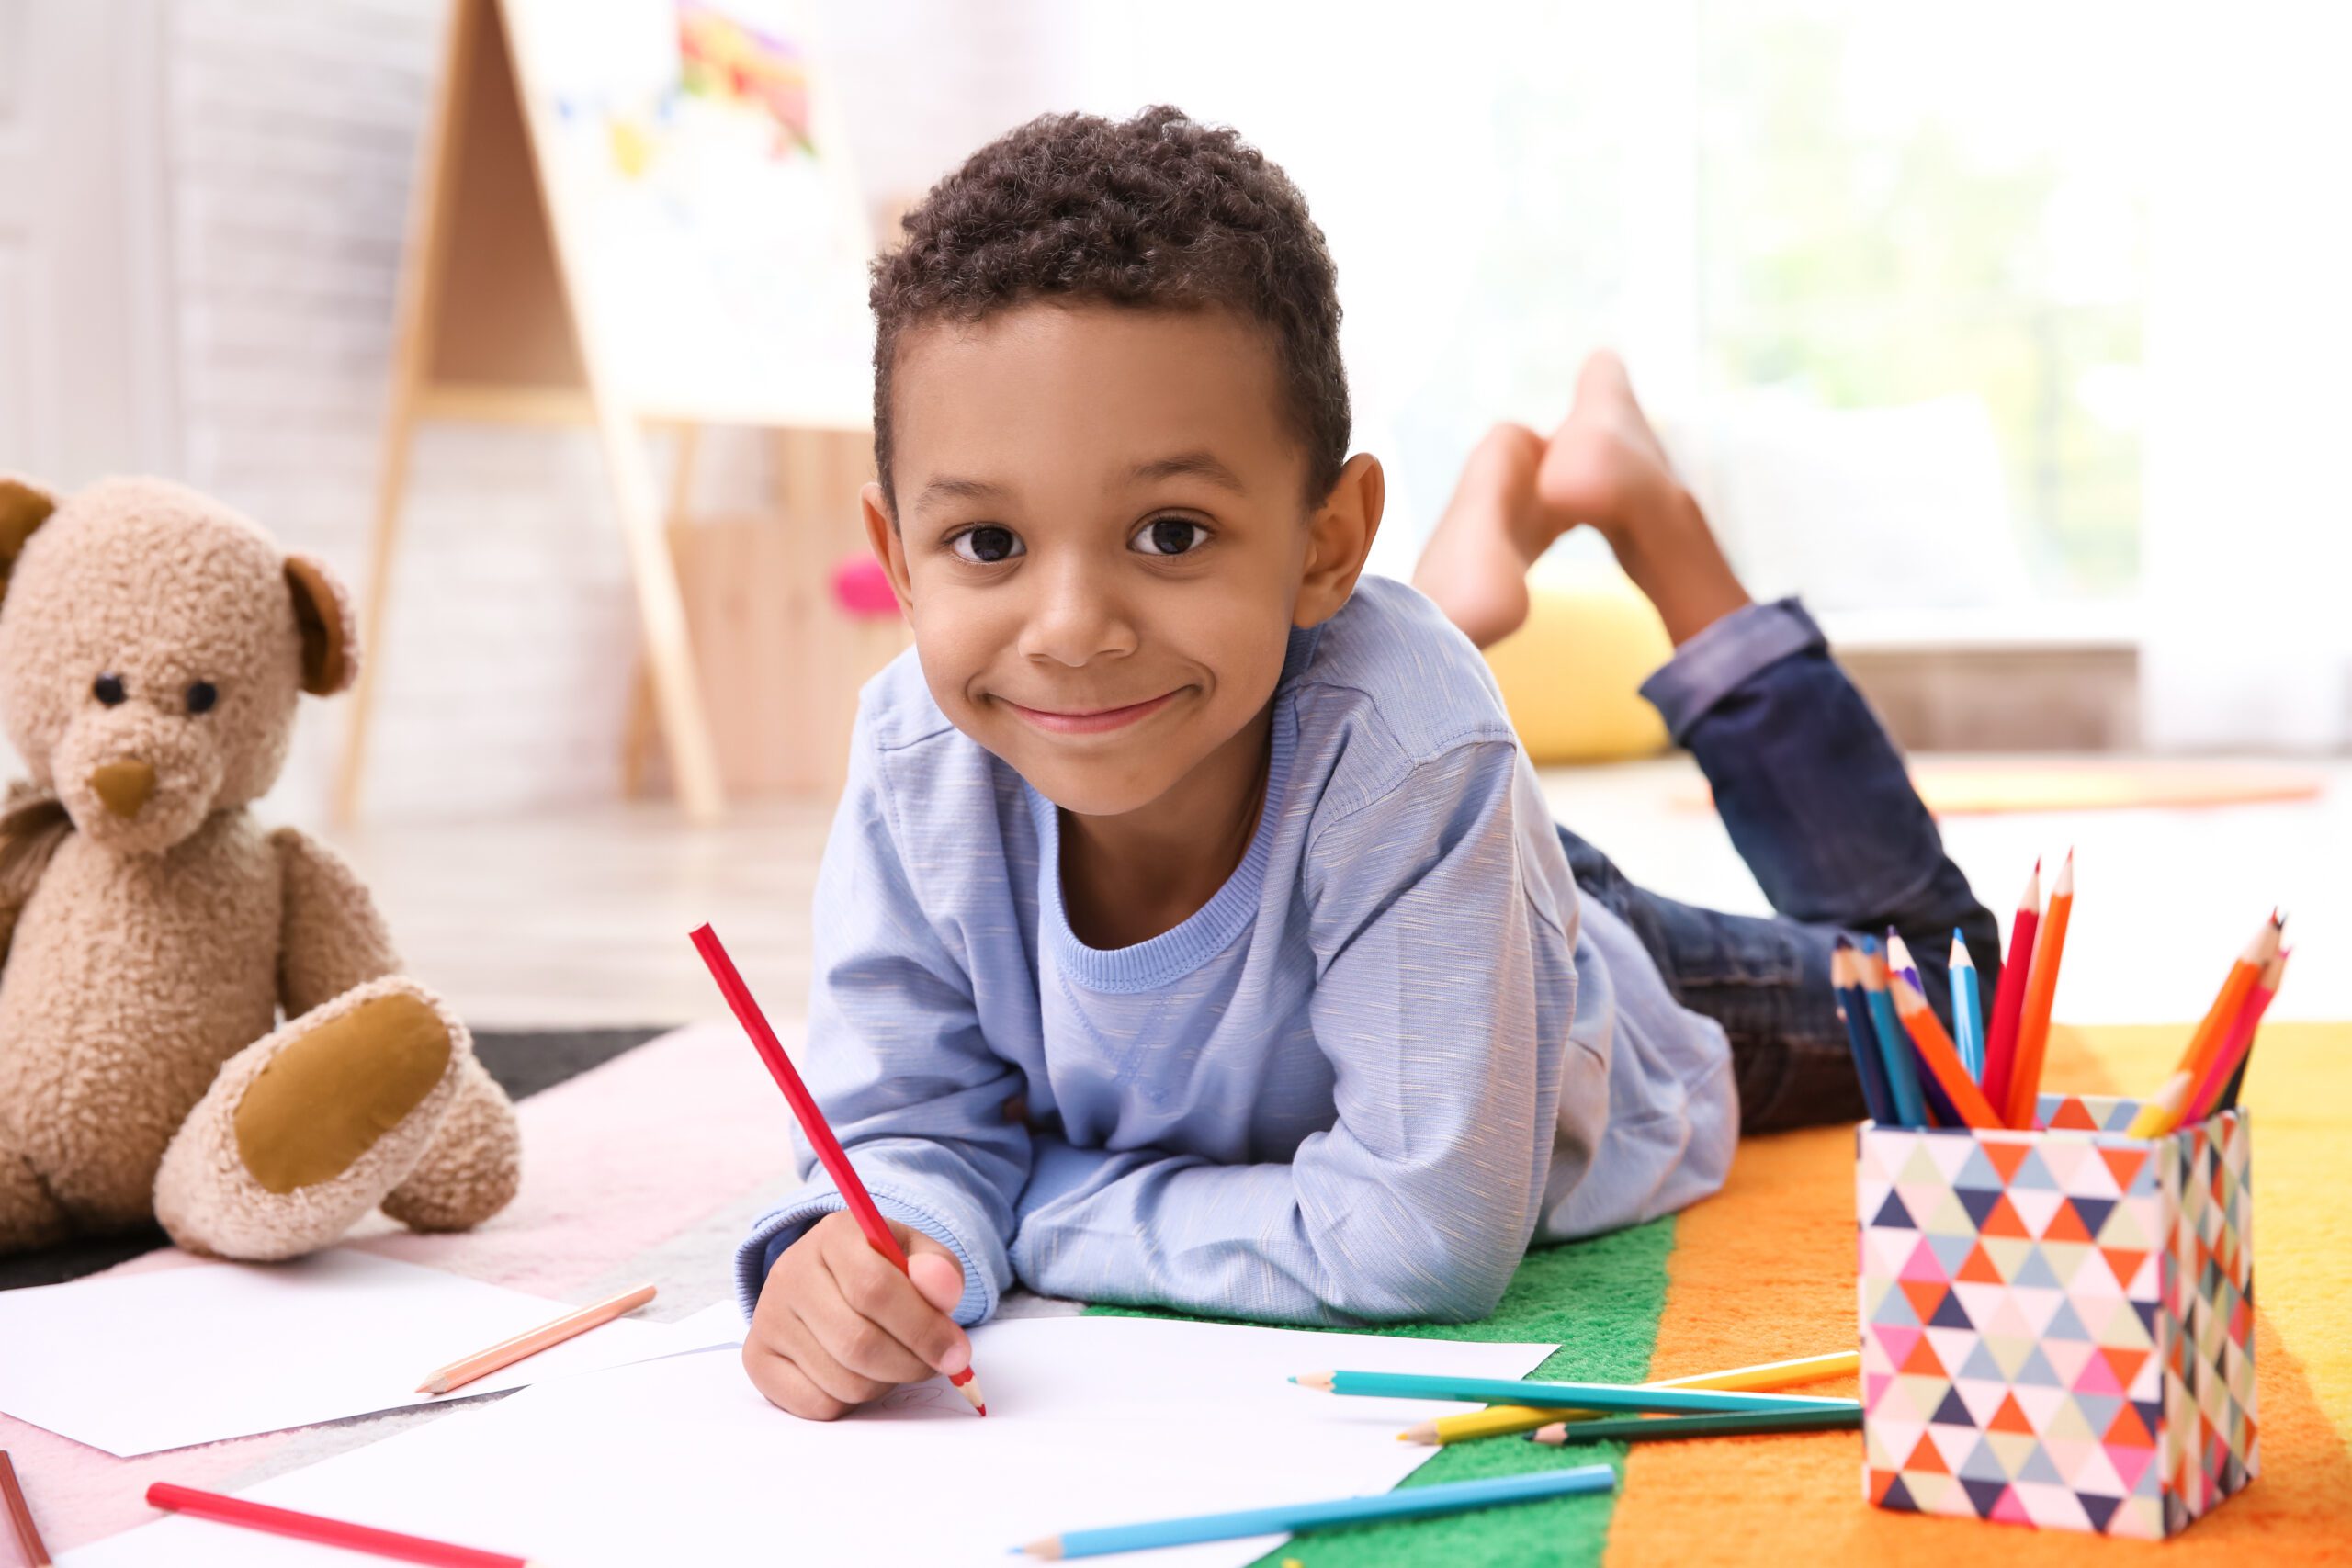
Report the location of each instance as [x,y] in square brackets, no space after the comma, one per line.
[694,764]
[638,734]
[392,486]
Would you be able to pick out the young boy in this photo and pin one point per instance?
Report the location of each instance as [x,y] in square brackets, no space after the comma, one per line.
[1193,930]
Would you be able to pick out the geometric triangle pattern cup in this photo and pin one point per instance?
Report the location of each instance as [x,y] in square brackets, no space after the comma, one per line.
[2057,1327]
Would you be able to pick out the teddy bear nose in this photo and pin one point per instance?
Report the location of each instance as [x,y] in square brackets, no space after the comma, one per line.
[123,786]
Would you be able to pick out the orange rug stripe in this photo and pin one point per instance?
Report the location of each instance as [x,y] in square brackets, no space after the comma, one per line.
[1766,1269]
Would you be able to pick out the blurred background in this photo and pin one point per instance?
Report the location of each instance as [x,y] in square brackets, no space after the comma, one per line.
[2014,337]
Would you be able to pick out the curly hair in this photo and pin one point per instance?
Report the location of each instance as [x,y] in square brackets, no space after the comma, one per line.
[1153,212]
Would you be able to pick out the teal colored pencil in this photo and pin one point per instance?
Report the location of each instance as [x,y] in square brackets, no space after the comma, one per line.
[1409,1503]
[1967,1008]
[1893,1044]
[1610,1396]
[1659,1428]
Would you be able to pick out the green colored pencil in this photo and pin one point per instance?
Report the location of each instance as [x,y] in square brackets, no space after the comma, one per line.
[1657,1428]
[1609,1396]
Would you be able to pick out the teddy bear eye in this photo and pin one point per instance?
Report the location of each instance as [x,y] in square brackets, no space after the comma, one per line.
[201,696]
[108,690]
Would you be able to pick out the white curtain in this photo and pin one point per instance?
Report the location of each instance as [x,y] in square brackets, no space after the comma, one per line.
[2247,532]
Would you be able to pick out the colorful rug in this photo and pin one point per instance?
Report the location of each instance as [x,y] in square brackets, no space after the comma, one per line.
[649,1166]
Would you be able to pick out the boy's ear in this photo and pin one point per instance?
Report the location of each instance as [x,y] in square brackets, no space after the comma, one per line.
[1339,537]
[24,506]
[882,537]
[330,636]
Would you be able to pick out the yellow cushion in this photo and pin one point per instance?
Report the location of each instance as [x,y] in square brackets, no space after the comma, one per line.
[1572,675]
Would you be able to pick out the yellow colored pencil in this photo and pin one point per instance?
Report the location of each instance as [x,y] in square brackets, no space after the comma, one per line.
[506,1352]
[1500,1420]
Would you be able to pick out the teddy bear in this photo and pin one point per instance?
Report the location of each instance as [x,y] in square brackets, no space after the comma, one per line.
[153,644]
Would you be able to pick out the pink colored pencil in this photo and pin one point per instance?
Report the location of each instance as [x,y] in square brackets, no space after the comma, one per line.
[326,1531]
[506,1352]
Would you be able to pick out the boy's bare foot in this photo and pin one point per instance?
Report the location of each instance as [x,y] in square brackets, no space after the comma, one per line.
[1474,565]
[1603,466]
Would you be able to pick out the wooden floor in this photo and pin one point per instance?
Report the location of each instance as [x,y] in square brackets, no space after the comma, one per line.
[581,917]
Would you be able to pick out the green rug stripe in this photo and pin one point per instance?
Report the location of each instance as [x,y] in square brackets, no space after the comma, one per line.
[1599,1300]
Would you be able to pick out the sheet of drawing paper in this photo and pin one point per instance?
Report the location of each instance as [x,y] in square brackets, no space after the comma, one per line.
[1091,1421]
[157,1360]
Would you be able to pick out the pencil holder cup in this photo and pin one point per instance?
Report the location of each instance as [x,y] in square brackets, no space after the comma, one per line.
[2058,1325]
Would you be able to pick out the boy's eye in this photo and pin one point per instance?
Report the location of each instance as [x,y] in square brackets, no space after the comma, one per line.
[986,544]
[1171,537]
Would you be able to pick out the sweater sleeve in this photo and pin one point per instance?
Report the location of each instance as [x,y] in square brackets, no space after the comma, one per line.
[1419,1202]
[897,1059]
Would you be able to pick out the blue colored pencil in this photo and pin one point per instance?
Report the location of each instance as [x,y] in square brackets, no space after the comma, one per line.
[1624,1398]
[1893,1044]
[1853,1012]
[1901,965]
[1967,1008]
[1409,1503]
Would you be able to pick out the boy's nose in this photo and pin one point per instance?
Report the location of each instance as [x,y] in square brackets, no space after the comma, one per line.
[123,787]
[1076,620]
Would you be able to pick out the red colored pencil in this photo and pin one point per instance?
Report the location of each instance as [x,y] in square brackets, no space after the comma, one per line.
[326,1531]
[2041,993]
[2009,997]
[2207,1096]
[812,1120]
[20,1515]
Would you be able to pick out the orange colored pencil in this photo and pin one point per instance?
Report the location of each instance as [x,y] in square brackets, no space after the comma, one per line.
[2240,1042]
[2041,993]
[1935,1048]
[506,1352]
[20,1515]
[2236,986]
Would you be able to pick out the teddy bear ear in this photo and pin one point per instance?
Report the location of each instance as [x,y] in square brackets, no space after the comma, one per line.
[24,506]
[330,637]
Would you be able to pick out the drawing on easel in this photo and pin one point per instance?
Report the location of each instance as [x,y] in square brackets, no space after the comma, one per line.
[718,237]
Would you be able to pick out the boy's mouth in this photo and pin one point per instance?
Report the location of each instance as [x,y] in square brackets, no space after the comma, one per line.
[1089,721]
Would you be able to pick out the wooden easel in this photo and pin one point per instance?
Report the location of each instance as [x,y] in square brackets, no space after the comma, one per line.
[491,328]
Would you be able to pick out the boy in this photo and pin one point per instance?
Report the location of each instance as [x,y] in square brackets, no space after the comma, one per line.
[1193,930]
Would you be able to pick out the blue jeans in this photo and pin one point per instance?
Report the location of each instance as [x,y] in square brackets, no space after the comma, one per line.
[1819,805]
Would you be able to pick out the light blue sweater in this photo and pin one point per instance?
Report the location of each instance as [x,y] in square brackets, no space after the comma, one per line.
[1392,1050]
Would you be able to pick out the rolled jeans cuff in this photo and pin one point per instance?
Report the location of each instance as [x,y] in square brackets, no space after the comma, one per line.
[1717,662]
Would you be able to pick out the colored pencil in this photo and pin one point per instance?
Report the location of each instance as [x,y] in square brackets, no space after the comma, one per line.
[326,1531]
[2163,1113]
[1861,1039]
[2041,994]
[1894,1046]
[1967,1008]
[1900,961]
[1408,1502]
[2206,1099]
[2228,1101]
[1497,1420]
[812,1121]
[1900,965]
[20,1516]
[1936,1050]
[2009,997]
[506,1352]
[1624,1398]
[1657,1428]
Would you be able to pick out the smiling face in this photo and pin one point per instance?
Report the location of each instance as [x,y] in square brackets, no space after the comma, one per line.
[1100,543]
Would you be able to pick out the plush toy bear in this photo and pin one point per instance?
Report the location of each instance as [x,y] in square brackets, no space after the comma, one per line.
[153,644]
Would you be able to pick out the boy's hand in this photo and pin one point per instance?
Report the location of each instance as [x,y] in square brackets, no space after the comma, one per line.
[837,1325]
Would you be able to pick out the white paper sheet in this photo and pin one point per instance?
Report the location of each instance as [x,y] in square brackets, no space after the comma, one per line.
[159,1360]
[1091,1421]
